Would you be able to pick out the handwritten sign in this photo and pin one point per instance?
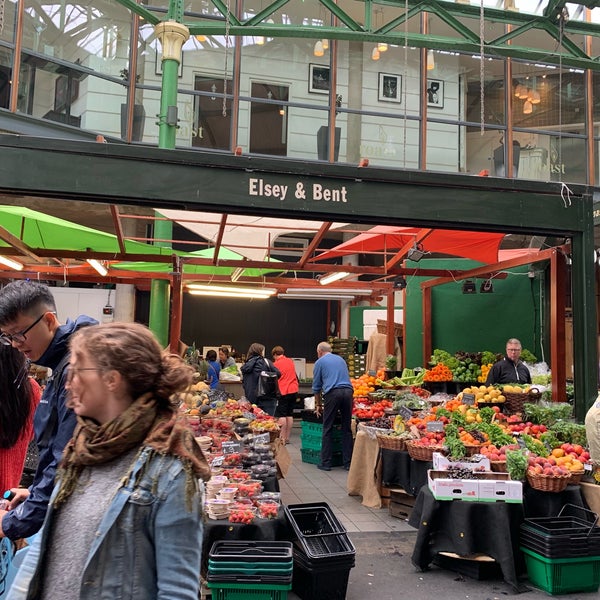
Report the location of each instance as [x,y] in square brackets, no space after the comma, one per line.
[217,461]
[261,438]
[231,447]
[405,412]
[468,399]
[435,426]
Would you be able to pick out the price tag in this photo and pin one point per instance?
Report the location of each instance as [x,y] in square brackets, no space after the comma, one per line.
[468,399]
[261,438]
[588,467]
[217,461]
[435,426]
[231,447]
[521,442]
[405,412]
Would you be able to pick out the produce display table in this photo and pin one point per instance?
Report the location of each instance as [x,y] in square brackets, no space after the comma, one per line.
[398,469]
[467,528]
[365,470]
[259,530]
[548,504]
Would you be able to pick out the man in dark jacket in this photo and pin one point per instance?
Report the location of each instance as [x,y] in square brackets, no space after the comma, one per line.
[28,321]
[510,369]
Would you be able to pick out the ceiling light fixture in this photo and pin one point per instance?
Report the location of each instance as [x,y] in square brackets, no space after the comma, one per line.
[223,291]
[382,46]
[12,264]
[237,274]
[331,277]
[375,54]
[325,43]
[527,107]
[468,287]
[316,290]
[318,50]
[486,287]
[416,253]
[295,296]
[223,294]
[399,282]
[260,40]
[98,266]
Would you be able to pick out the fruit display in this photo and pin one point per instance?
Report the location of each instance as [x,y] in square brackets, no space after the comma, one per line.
[438,373]
[485,394]
[367,411]
[363,385]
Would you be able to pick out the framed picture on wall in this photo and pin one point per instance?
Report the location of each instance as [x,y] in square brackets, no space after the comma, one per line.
[435,93]
[390,88]
[318,79]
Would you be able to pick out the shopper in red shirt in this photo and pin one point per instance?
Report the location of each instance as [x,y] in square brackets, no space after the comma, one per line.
[288,386]
[20,397]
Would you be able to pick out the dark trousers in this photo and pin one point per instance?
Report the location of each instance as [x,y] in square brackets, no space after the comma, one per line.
[334,401]
[267,404]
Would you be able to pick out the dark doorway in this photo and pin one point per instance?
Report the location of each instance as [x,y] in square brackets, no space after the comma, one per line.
[211,128]
[268,122]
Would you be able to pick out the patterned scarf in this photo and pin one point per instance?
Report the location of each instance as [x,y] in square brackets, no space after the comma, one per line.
[141,424]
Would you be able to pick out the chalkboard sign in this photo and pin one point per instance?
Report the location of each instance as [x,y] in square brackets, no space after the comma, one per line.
[217,461]
[405,412]
[520,441]
[231,447]
[435,426]
[261,438]
[468,399]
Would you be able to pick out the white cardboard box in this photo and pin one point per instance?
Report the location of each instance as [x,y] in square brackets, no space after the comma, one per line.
[500,491]
[444,488]
[479,463]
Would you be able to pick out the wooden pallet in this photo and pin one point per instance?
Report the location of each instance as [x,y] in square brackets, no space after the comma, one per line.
[401,504]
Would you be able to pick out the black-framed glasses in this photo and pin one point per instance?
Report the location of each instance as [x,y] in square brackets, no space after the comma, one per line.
[18,338]
[75,370]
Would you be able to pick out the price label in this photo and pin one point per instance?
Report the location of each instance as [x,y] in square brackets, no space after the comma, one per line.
[521,442]
[231,447]
[261,438]
[435,426]
[588,467]
[405,412]
[217,461]
[468,399]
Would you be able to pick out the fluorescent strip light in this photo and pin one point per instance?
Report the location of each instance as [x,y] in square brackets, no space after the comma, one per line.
[237,274]
[229,289]
[315,291]
[12,264]
[98,266]
[331,277]
[316,296]
[221,294]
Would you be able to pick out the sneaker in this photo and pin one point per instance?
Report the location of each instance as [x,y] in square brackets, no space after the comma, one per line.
[323,468]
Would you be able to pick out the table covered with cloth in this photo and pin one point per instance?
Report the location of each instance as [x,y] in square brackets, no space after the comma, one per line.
[365,469]
[491,528]
[398,469]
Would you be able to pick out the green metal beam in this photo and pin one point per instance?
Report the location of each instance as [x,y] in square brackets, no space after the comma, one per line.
[341,15]
[445,16]
[268,11]
[138,9]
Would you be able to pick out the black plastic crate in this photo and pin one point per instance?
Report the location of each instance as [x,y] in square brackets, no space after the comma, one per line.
[252,579]
[311,583]
[324,562]
[251,551]
[314,518]
[562,526]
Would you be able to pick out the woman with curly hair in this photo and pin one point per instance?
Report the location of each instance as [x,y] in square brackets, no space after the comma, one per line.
[125,517]
[20,397]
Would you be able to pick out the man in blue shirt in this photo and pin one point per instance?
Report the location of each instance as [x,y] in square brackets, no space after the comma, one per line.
[333,392]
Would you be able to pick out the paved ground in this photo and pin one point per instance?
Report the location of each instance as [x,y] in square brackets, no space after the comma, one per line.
[384,545]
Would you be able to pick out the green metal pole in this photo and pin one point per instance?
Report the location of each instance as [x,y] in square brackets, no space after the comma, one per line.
[172,35]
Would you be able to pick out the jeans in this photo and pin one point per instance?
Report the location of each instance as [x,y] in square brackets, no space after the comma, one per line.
[337,399]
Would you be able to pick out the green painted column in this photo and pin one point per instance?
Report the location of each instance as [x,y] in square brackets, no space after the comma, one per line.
[172,36]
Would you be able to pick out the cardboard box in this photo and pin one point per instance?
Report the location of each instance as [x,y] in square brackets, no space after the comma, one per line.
[500,491]
[444,488]
[478,463]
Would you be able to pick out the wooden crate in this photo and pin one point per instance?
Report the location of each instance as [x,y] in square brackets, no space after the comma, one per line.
[401,504]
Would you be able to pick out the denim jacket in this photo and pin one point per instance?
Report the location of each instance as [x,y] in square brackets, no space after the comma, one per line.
[148,545]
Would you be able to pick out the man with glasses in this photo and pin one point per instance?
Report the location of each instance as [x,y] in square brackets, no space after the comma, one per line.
[510,369]
[28,322]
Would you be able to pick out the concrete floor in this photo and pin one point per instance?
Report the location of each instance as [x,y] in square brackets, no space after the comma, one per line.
[384,544]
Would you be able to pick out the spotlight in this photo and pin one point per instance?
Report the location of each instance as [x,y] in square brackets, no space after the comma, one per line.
[486,287]
[468,287]
[416,253]
[399,282]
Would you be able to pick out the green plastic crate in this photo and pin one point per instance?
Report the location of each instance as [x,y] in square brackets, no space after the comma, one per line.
[313,457]
[563,575]
[312,442]
[243,591]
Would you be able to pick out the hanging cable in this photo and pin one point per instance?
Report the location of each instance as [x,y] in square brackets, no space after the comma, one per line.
[481,68]
[563,17]
[405,90]
[227,40]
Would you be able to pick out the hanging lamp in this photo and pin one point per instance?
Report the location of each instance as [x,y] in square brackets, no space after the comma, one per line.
[527,107]
[375,54]
[430,60]
[325,43]
[318,50]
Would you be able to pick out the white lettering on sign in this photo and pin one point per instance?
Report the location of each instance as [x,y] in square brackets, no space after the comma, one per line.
[260,187]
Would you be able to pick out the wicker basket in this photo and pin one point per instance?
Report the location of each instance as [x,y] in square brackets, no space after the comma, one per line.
[548,483]
[576,477]
[382,327]
[514,403]
[391,442]
[498,466]
[424,453]
[473,449]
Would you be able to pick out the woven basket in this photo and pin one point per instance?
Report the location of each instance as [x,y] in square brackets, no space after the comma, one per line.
[424,453]
[576,477]
[382,327]
[498,466]
[391,442]
[473,449]
[548,483]
[514,403]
